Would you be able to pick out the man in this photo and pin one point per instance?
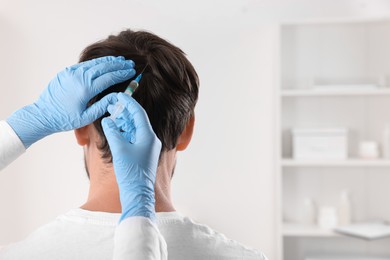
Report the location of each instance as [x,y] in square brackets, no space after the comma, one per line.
[168,91]
[63,106]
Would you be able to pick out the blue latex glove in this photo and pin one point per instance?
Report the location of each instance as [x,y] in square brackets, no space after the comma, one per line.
[63,105]
[135,151]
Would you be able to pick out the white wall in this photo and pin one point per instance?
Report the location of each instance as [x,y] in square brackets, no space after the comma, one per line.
[226,177]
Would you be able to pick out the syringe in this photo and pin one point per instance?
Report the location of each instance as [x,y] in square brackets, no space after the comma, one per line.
[119,107]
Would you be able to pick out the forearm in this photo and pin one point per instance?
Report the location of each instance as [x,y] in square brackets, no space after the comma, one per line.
[140,202]
[11,146]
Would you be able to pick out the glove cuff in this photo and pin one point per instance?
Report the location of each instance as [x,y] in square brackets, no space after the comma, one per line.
[27,124]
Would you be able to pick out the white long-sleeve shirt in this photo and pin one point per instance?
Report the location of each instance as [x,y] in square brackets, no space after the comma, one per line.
[135,238]
[11,147]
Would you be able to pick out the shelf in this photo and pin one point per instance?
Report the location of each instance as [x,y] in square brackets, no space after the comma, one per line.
[323,81]
[299,230]
[336,163]
[336,93]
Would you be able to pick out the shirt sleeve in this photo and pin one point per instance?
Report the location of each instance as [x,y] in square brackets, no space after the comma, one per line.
[11,147]
[139,238]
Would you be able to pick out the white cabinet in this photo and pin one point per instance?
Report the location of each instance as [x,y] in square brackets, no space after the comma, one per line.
[333,75]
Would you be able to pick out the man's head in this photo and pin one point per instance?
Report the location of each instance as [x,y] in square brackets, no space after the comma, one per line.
[168,90]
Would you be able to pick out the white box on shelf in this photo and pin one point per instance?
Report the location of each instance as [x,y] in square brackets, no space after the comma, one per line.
[317,144]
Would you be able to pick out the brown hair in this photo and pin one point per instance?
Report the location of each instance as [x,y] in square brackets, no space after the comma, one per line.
[168,90]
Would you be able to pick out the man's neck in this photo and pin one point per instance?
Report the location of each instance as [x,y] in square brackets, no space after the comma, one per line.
[104,193]
[162,188]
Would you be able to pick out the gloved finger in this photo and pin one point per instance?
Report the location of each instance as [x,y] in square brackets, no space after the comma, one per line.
[126,125]
[90,63]
[124,117]
[138,113]
[113,135]
[103,68]
[98,109]
[111,109]
[109,79]
[129,136]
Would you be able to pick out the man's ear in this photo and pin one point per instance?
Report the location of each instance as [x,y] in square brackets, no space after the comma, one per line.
[185,137]
[82,135]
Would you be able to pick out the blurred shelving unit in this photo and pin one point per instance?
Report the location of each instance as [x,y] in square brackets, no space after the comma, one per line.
[332,52]
[336,163]
[297,230]
[342,93]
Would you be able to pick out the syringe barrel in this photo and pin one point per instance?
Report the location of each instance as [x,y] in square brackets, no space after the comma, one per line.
[119,107]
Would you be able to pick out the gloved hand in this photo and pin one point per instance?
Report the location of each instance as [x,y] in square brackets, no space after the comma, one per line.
[135,158]
[63,105]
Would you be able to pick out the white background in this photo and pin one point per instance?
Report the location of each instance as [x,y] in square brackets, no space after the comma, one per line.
[226,177]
